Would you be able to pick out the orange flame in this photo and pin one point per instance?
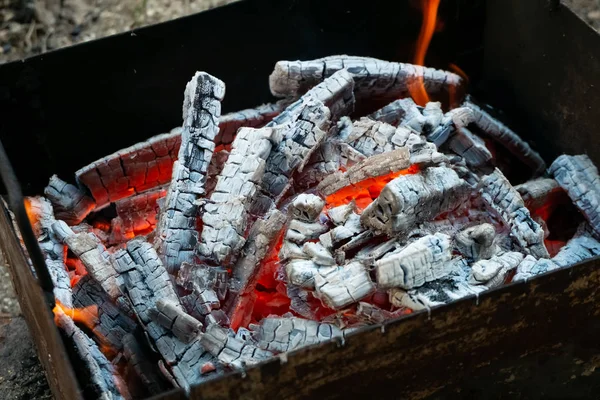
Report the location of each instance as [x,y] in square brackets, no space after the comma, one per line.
[430,10]
[31,215]
[87,316]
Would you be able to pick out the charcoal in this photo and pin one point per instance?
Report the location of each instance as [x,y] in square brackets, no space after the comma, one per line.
[302,272]
[345,286]
[231,351]
[112,324]
[373,78]
[217,163]
[325,160]
[371,253]
[260,241]
[422,261]
[536,192]
[300,232]
[507,138]
[103,377]
[578,176]
[369,137]
[433,115]
[299,301]
[581,247]
[531,267]
[410,199]
[229,124]
[200,302]
[306,207]
[176,231]
[402,111]
[142,365]
[226,214]
[290,250]
[501,197]
[135,215]
[218,317]
[372,314]
[349,229]
[493,272]
[470,147]
[90,250]
[40,210]
[477,242]
[69,202]
[452,122]
[172,316]
[339,215]
[203,277]
[283,334]
[318,254]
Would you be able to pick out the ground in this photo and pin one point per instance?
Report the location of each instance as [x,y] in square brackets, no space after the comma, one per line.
[29,27]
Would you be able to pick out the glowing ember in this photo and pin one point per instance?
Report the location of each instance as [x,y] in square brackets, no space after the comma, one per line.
[31,215]
[430,9]
[87,316]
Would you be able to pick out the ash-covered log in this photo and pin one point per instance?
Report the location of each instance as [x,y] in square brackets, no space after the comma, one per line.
[410,199]
[402,111]
[230,123]
[470,147]
[448,125]
[231,350]
[69,202]
[283,334]
[226,214]
[176,234]
[501,197]
[40,212]
[536,192]
[422,261]
[493,272]
[350,227]
[477,242]
[102,375]
[96,259]
[373,78]
[200,302]
[136,215]
[345,286]
[325,160]
[578,176]
[170,315]
[507,138]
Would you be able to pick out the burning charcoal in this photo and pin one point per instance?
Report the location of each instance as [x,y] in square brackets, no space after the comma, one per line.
[369,254]
[325,160]
[507,138]
[69,202]
[369,137]
[452,287]
[142,366]
[499,195]
[299,139]
[260,241]
[373,78]
[492,272]
[339,215]
[299,232]
[200,302]
[290,250]
[536,192]
[170,315]
[351,227]
[470,147]
[372,314]
[477,242]
[89,249]
[410,199]
[203,277]
[400,111]
[251,118]
[578,176]
[112,324]
[39,210]
[283,334]
[421,261]
[300,301]
[318,254]
[176,232]
[345,286]
[103,377]
[226,214]
[307,207]
[218,317]
[453,121]
[135,215]
[302,272]
[232,351]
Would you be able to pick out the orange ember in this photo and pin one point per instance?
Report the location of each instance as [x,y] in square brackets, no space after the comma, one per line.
[33,218]
[364,192]
[87,316]
[430,10]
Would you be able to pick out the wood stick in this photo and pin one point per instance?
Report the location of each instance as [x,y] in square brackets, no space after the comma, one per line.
[70,203]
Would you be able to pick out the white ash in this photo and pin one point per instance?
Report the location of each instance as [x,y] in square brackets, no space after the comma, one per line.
[217,163]
[69,202]
[283,334]
[226,214]
[501,197]
[340,214]
[351,227]
[433,115]
[536,192]
[171,315]
[410,199]
[200,302]
[300,301]
[325,160]
[493,272]
[422,261]
[300,232]
[578,176]
[318,254]
[306,207]
[531,267]
[507,138]
[371,314]
[373,78]
[477,242]
[302,272]
[347,285]
[371,253]
[176,233]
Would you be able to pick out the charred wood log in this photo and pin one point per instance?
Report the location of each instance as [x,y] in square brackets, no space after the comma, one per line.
[217,163]
[250,118]
[477,242]
[578,176]
[283,334]
[200,302]
[471,147]
[493,272]
[347,285]
[373,78]
[204,277]
[531,267]
[176,231]
[410,199]
[226,215]
[350,228]
[306,207]
[402,111]
[422,261]
[69,202]
[501,197]
[142,365]
[171,315]
[506,137]
[325,160]
[453,121]
[536,192]
[136,215]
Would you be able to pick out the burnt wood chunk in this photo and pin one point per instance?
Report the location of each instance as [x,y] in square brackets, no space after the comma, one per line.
[347,285]
[226,215]
[69,202]
[411,199]
[94,256]
[507,138]
[325,160]
[531,267]
[578,176]
[477,242]
[176,231]
[250,118]
[501,197]
[53,250]
[172,316]
[103,376]
[373,78]
[232,351]
[402,111]
[350,228]
[453,121]
[203,277]
[306,207]
[422,261]
[136,215]
[283,334]
[471,147]
[537,191]
[200,302]
[493,272]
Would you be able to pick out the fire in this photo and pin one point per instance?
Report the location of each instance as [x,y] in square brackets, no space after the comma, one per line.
[87,316]
[31,215]
[430,10]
